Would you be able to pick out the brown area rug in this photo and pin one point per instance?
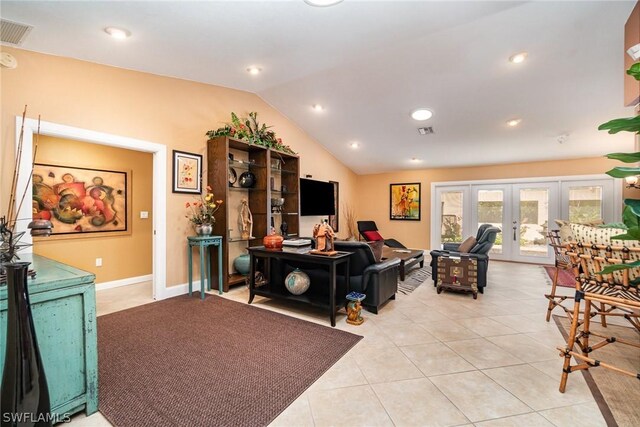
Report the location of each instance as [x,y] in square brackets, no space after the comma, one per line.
[188,362]
[565,277]
[617,395]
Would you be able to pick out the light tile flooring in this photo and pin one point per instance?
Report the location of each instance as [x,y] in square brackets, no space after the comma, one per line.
[434,360]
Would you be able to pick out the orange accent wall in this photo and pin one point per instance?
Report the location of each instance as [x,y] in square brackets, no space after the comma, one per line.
[164,110]
[373,194]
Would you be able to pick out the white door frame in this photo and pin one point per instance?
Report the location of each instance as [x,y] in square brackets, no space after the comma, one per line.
[617,194]
[159,263]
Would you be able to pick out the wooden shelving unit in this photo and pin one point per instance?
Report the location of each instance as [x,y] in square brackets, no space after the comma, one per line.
[268,166]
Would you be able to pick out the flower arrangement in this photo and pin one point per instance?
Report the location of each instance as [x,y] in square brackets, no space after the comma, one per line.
[250,130]
[202,211]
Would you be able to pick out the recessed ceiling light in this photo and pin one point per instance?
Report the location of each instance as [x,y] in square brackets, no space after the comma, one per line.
[118,33]
[254,71]
[317,107]
[416,160]
[513,122]
[421,114]
[322,3]
[518,57]
[354,145]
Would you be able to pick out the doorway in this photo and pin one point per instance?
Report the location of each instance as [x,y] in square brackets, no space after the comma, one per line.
[523,210]
[159,152]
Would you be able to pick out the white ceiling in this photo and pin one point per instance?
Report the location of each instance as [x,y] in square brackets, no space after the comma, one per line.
[372,62]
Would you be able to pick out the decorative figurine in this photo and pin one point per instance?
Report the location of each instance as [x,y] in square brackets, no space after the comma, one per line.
[245,221]
[354,308]
[324,235]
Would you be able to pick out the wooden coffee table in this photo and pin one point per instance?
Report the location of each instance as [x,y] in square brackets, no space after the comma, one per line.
[408,258]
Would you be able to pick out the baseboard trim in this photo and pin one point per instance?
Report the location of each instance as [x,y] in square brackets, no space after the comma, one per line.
[176,290]
[123,282]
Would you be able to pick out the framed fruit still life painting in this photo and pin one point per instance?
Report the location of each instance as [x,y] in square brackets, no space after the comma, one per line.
[187,172]
[81,201]
[404,200]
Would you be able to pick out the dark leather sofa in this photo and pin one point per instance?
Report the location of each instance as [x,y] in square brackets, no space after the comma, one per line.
[485,238]
[378,281]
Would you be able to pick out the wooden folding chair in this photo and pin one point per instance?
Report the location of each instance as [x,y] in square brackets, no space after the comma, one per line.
[616,293]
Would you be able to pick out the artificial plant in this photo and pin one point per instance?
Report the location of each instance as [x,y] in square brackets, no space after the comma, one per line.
[631,213]
[250,130]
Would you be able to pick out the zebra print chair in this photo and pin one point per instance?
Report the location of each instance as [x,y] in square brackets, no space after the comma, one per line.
[600,280]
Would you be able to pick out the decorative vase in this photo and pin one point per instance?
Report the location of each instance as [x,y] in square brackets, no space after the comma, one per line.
[272,241]
[297,282]
[204,229]
[241,264]
[247,179]
[24,384]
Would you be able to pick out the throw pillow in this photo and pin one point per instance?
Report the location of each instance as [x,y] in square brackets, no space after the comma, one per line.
[372,236]
[467,245]
[376,247]
[566,235]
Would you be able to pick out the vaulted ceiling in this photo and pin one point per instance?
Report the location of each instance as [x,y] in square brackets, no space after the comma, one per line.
[370,63]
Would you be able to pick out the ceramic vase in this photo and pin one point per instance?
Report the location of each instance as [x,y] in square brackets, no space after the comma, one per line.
[204,229]
[272,241]
[24,384]
[241,264]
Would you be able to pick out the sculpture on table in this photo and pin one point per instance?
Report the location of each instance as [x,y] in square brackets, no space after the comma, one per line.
[245,221]
[324,235]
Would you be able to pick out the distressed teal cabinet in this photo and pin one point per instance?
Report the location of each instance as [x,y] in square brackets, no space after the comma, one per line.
[63,303]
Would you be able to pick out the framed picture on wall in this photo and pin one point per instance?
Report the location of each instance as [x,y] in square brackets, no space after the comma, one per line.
[334,220]
[81,201]
[187,172]
[404,201]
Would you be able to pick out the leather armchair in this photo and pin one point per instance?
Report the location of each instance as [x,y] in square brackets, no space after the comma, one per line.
[378,281]
[485,238]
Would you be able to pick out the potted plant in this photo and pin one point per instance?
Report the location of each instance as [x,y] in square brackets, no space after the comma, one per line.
[202,212]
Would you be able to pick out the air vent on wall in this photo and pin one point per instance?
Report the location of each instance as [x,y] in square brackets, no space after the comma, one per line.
[13,32]
[425,130]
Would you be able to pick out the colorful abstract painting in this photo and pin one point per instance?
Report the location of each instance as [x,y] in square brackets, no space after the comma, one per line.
[405,201]
[187,172]
[79,200]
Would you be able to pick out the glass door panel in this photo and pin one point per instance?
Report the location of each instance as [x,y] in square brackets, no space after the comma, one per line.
[491,211]
[534,222]
[451,216]
[585,204]
[534,205]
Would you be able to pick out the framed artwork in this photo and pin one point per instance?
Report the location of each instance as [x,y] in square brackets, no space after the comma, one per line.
[187,172]
[81,201]
[334,220]
[404,201]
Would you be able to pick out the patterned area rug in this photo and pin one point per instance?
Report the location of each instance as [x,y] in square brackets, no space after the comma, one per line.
[184,361]
[565,277]
[617,395]
[413,279]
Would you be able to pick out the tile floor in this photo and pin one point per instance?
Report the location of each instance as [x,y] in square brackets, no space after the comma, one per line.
[434,360]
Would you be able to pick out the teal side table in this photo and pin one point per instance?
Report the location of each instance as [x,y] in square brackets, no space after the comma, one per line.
[203,243]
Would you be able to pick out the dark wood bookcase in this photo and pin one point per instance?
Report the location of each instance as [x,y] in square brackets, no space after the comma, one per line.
[277,176]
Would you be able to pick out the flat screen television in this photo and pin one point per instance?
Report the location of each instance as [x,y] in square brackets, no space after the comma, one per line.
[316,198]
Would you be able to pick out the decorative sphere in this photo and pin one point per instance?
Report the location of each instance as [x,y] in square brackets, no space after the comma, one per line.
[247,179]
[297,282]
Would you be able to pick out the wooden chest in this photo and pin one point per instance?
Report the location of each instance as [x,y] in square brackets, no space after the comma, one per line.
[458,274]
[63,304]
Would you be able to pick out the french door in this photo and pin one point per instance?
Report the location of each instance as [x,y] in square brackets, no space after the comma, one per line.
[523,211]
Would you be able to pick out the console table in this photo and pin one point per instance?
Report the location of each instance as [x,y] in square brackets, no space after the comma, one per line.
[277,290]
[63,305]
[204,242]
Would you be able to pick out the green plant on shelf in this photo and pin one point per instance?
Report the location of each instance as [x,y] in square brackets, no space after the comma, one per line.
[250,130]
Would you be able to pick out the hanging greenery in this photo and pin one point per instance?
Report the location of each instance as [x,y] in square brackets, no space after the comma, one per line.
[250,130]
